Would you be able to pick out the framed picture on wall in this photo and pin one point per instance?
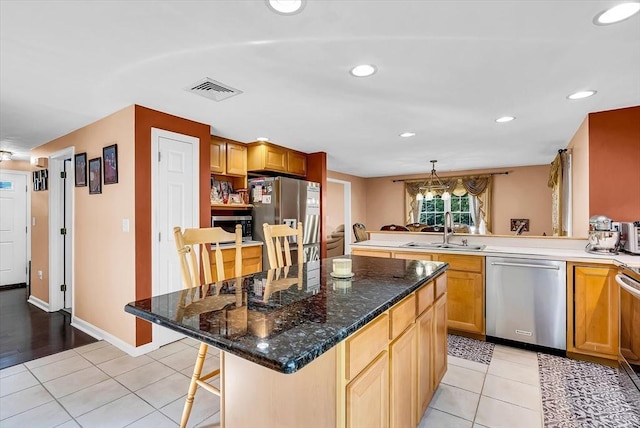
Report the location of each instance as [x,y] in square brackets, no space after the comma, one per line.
[95,176]
[80,162]
[110,156]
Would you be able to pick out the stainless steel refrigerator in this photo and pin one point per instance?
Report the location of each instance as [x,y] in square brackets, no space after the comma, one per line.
[284,200]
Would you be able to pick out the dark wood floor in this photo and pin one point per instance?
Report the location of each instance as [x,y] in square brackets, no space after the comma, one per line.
[27,333]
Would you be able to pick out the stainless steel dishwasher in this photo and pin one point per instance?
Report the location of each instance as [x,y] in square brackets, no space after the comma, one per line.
[527,301]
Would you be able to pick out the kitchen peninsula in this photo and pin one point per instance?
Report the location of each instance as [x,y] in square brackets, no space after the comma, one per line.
[301,348]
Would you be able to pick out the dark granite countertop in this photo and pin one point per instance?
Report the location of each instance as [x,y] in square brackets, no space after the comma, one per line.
[280,321]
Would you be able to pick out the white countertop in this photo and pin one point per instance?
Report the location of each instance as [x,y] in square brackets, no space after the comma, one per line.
[565,254]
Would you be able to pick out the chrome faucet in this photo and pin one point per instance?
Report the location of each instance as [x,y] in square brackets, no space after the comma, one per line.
[446,233]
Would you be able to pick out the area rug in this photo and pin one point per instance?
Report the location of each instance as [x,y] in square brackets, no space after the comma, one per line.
[578,394]
[470,349]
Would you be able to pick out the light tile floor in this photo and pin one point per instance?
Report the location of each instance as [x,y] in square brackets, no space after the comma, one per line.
[505,393]
[98,385]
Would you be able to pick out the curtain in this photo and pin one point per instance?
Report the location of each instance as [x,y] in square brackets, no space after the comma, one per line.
[559,195]
[479,187]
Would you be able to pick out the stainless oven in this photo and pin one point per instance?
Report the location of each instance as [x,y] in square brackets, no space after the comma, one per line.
[629,353]
[228,223]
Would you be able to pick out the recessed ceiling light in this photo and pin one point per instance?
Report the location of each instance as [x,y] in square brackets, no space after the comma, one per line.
[407,134]
[262,139]
[363,70]
[617,13]
[286,7]
[504,119]
[581,94]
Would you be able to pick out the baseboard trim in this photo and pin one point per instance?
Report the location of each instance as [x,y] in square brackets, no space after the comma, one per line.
[40,304]
[100,334]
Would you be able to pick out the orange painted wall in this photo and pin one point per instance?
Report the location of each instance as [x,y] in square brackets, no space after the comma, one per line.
[103,255]
[614,164]
[358,199]
[145,119]
[523,193]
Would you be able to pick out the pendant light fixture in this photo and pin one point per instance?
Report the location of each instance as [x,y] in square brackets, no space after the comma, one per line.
[433,184]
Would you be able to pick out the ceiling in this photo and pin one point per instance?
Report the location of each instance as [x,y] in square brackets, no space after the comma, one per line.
[446,71]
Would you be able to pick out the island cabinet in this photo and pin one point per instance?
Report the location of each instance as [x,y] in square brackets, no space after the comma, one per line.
[592,310]
[251,261]
[268,157]
[394,364]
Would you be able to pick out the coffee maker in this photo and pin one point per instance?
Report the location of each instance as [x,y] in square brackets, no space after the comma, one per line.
[604,237]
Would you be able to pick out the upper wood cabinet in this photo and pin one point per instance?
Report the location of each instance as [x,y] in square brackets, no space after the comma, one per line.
[267,157]
[227,158]
[296,163]
[592,312]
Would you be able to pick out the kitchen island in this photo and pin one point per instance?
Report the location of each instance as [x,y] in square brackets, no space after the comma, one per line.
[301,348]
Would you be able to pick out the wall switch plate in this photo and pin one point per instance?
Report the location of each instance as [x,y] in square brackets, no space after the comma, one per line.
[125,224]
[39,274]
[517,223]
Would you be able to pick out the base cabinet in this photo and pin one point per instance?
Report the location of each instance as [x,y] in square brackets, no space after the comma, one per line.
[440,347]
[593,308]
[465,290]
[410,339]
[251,261]
[368,396]
[425,335]
[404,355]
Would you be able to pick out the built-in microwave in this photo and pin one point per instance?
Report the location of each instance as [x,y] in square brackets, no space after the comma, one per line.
[228,223]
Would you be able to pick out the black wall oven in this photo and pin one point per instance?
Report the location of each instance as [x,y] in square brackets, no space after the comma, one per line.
[228,223]
[629,353]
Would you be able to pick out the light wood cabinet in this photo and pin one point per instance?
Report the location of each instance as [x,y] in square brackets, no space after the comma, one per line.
[217,156]
[592,310]
[465,286]
[268,157]
[412,338]
[412,255]
[368,396]
[236,159]
[251,261]
[371,253]
[403,386]
[465,289]
[440,339]
[296,163]
[227,158]
[425,334]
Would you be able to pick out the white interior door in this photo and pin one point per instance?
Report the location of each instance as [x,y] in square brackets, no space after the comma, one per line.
[175,165]
[13,228]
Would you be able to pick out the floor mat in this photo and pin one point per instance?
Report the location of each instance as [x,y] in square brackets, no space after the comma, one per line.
[470,349]
[578,394]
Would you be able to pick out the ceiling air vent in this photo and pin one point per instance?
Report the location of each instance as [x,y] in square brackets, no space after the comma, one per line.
[211,89]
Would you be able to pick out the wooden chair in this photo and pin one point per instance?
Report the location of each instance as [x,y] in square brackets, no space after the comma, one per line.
[360,232]
[395,227]
[188,244]
[276,238]
[415,227]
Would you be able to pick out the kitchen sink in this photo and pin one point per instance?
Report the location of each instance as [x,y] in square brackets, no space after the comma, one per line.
[449,246]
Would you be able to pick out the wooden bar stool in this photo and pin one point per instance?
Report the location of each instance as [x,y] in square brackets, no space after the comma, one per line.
[276,238]
[187,244]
